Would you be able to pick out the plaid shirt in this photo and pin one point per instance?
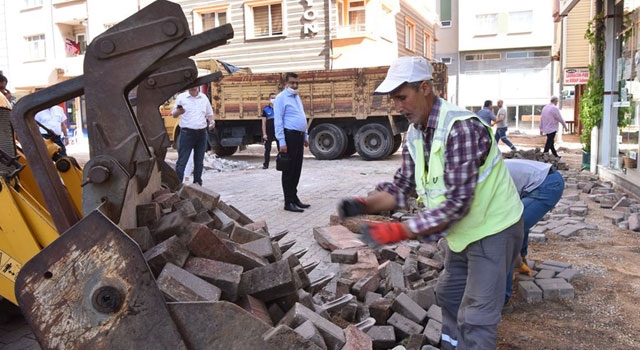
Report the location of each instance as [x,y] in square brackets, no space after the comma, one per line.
[467,148]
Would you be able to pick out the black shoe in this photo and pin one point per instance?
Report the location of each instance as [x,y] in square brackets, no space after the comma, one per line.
[292,207]
[265,166]
[300,204]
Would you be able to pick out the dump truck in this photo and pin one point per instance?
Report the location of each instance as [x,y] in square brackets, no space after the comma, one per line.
[343,115]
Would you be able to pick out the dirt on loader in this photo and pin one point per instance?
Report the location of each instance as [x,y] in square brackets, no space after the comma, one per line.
[605,311]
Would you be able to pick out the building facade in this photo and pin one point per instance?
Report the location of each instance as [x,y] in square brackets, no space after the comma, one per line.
[44,41]
[614,143]
[283,35]
[499,50]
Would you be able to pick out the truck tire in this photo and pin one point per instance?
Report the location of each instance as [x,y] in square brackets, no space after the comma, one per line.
[374,141]
[222,151]
[351,147]
[327,141]
[397,142]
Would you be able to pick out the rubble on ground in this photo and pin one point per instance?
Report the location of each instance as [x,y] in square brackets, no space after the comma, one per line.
[213,162]
[536,154]
[201,249]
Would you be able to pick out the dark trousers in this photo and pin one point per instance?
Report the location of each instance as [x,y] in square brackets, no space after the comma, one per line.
[291,175]
[501,134]
[271,136]
[58,141]
[196,140]
[551,137]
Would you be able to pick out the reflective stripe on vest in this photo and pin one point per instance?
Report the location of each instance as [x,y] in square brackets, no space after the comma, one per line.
[496,204]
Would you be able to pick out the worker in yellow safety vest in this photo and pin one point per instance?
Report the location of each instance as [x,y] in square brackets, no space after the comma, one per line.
[451,160]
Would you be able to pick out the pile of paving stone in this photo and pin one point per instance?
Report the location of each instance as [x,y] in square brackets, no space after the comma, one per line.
[391,289]
[260,295]
[537,155]
[550,280]
[201,249]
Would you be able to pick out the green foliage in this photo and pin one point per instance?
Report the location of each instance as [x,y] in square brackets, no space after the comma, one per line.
[591,108]
[625,114]
[591,104]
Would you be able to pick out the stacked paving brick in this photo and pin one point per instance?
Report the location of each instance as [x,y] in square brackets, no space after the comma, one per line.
[229,273]
[390,290]
[258,295]
[537,155]
[550,281]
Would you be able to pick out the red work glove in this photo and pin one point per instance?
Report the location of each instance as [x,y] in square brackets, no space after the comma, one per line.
[380,233]
[351,207]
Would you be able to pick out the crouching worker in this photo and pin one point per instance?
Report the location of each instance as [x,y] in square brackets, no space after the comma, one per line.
[450,159]
[540,188]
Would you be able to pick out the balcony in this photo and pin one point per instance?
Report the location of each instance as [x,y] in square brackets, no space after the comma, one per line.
[350,31]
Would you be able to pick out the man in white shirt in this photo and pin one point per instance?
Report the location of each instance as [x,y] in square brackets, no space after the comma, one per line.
[55,119]
[194,110]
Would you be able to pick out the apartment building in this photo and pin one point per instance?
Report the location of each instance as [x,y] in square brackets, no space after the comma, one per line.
[46,39]
[282,35]
[499,49]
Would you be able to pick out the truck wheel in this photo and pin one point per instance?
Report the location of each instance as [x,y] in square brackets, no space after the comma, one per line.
[222,151]
[397,142]
[351,147]
[374,141]
[327,141]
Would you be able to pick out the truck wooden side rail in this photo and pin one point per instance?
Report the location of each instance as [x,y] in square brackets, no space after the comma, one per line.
[344,117]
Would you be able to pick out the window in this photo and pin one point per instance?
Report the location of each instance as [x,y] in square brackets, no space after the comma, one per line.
[213,19]
[426,39]
[445,13]
[528,54]
[446,60]
[32,3]
[482,56]
[487,24]
[34,47]
[209,18]
[520,22]
[81,39]
[264,19]
[351,16]
[357,15]
[409,35]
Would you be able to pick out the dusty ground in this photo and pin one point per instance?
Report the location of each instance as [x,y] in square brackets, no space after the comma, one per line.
[604,313]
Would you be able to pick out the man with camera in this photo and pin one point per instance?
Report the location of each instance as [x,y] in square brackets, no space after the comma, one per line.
[195,111]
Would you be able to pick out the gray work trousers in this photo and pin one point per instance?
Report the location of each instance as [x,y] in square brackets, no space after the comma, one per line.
[471,289]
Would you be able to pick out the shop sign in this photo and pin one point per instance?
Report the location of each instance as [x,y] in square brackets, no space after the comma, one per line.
[574,76]
[309,18]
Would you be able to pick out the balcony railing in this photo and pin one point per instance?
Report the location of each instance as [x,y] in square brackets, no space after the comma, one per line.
[349,31]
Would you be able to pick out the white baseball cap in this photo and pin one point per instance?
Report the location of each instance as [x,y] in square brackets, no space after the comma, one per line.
[407,69]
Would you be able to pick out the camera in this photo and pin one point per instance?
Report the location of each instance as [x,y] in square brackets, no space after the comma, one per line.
[179,106]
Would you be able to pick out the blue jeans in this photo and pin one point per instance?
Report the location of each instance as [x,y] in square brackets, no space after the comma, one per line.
[501,134]
[196,140]
[536,204]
